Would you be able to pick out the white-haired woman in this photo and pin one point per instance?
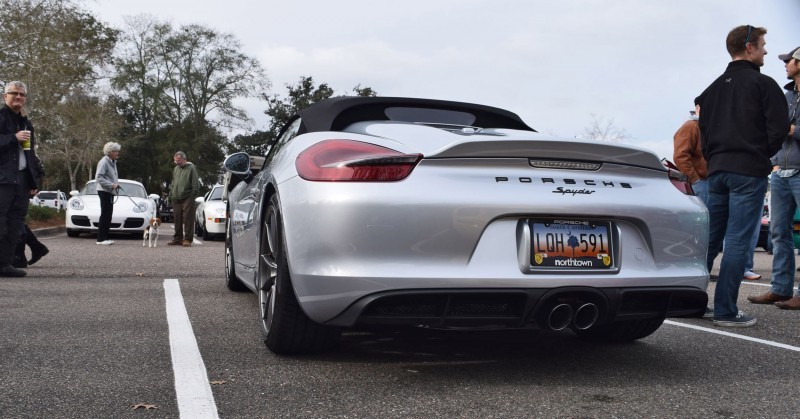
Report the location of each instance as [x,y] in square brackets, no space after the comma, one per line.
[107,178]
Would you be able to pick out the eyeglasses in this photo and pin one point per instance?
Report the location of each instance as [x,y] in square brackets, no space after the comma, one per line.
[16,94]
[749,30]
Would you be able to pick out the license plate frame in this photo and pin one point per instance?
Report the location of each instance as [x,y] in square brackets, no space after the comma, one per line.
[571,244]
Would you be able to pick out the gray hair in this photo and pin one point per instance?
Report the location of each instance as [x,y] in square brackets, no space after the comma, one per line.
[180,153]
[17,84]
[111,146]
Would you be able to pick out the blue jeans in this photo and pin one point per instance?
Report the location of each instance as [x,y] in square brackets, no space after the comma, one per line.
[754,242]
[784,198]
[700,189]
[733,200]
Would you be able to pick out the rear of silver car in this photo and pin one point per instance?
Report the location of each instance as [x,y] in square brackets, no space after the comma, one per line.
[499,228]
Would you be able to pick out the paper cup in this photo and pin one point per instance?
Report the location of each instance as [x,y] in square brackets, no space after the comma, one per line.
[26,145]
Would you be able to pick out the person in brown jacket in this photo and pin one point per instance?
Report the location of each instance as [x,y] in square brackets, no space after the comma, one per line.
[688,155]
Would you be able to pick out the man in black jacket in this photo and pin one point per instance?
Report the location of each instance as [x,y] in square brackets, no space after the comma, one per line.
[16,174]
[743,123]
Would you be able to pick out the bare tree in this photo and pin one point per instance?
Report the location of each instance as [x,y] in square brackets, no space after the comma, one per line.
[604,130]
[85,123]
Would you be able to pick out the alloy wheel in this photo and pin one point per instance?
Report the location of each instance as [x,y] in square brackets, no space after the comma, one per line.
[267,270]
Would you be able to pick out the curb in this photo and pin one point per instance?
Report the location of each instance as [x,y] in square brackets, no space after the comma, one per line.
[49,231]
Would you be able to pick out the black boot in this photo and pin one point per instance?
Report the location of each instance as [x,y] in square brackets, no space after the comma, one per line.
[38,250]
[10,271]
[20,262]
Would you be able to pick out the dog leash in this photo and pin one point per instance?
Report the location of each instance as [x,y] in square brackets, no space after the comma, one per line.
[116,197]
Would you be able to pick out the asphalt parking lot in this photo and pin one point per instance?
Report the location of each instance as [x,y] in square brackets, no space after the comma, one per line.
[127,331]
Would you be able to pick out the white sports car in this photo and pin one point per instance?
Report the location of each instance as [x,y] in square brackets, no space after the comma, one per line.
[133,208]
[210,214]
[370,212]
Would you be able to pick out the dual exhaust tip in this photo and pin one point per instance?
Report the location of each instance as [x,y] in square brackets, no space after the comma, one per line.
[562,315]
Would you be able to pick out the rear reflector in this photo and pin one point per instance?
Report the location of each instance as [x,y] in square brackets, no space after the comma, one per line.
[354,161]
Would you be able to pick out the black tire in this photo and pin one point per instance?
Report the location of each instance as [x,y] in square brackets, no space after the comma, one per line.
[285,327]
[203,232]
[231,281]
[621,331]
[73,233]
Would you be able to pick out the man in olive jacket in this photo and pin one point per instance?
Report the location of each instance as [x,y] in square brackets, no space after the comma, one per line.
[185,187]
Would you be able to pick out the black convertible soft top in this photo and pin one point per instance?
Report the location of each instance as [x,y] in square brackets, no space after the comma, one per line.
[336,113]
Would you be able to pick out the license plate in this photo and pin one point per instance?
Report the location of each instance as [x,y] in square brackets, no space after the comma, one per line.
[570,244]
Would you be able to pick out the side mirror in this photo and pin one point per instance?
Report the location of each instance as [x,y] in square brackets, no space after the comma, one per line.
[154,197]
[74,193]
[199,200]
[238,163]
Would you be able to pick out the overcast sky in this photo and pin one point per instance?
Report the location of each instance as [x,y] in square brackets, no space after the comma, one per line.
[554,63]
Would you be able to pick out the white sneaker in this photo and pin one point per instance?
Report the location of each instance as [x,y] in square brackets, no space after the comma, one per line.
[751,276]
[105,242]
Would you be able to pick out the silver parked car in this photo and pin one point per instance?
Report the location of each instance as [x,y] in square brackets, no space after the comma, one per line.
[426,213]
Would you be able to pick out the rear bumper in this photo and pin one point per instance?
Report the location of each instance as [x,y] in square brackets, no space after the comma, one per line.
[517,308]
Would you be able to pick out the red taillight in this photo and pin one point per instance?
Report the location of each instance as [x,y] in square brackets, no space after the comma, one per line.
[354,161]
[678,179]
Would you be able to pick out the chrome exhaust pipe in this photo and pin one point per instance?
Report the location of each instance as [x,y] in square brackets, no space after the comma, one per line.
[559,317]
[586,316]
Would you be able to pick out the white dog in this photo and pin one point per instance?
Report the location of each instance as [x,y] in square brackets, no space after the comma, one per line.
[151,233]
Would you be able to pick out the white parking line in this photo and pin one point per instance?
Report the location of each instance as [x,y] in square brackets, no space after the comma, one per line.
[758,284]
[195,399]
[734,335]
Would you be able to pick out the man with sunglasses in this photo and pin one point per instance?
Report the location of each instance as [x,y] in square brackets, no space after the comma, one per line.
[743,123]
[16,173]
[785,197]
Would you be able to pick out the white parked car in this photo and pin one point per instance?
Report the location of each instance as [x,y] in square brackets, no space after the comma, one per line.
[133,209]
[52,199]
[210,214]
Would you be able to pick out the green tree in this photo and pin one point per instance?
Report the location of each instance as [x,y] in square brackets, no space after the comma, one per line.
[177,89]
[280,110]
[140,79]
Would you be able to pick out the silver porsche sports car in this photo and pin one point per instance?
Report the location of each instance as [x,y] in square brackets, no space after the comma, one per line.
[378,211]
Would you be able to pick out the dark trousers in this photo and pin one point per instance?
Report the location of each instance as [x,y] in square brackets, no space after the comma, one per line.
[13,208]
[183,211]
[29,239]
[106,211]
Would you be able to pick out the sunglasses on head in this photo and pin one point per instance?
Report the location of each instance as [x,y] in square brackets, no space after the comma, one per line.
[749,31]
